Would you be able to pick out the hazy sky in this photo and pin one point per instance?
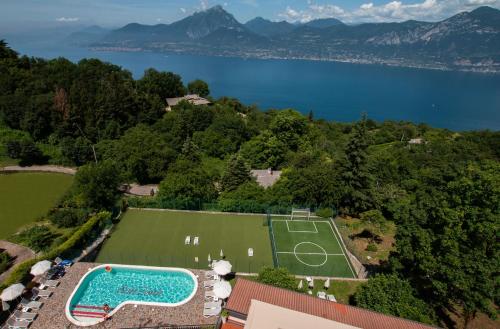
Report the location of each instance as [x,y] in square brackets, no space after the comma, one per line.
[25,14]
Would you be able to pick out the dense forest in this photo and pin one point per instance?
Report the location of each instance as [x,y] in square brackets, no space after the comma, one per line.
[443,193]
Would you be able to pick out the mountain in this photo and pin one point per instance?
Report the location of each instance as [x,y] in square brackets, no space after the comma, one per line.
[268,28]
[86,36]
[323,23]
[466,41]
[194,27]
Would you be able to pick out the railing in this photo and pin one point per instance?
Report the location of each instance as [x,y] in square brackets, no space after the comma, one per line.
[194,326]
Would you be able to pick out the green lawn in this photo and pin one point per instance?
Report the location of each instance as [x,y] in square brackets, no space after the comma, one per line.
[309,248]
[24,197]
[157,238]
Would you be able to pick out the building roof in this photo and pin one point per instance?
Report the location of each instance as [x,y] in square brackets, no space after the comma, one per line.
[244,291]
[193,99]
[267,316]
[266,178]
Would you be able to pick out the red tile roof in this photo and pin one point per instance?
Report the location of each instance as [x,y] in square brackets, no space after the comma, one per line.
[244,291]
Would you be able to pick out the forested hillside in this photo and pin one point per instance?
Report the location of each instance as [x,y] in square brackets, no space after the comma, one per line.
[442,191]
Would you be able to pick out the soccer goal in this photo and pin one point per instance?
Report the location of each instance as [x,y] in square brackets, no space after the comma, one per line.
[300,214]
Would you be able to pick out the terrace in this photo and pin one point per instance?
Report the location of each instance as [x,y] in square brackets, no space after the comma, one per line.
[52,314]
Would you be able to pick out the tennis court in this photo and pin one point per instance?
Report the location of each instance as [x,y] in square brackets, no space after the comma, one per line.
[309,247]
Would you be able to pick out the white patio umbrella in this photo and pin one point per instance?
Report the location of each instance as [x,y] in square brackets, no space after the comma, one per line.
[40,267]
[311,283]
[221,253]
[5,306]
[327,283]
[301,284]
[222,267]
[222,289]
[12,292]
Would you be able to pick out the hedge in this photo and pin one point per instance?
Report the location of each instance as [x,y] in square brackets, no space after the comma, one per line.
[22,271]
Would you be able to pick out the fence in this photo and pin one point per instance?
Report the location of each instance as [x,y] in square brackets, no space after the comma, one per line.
[271,238]
[246,265]
[223,205]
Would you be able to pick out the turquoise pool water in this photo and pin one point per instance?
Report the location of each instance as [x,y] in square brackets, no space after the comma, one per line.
[132,284]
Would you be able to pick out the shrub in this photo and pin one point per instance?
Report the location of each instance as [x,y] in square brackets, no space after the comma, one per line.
[68,217]
[4,261]
[38,238]
[371,247]
[324,212]
[278,277]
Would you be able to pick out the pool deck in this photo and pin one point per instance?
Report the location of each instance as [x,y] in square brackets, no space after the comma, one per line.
[52,315]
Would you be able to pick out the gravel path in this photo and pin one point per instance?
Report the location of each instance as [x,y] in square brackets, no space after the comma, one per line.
[20,254]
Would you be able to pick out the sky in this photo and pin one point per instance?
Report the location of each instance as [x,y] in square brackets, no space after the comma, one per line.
[28,14]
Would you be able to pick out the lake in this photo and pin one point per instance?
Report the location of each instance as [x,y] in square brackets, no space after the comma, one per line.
[333,91]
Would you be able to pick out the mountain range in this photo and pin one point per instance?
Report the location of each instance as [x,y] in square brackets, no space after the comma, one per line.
[466,41]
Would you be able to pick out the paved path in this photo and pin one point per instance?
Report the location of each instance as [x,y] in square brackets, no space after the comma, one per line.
[20,254]
[47,168]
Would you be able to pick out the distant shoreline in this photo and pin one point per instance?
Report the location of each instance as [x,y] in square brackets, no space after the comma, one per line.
[378,61]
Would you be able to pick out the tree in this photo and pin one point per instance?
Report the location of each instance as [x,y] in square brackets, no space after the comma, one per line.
[97,185]
[237,173]
[199,87]
[391,295]
[447,244]
[278,277]
[356,178]
[288,126]
[6,51]
[163,84]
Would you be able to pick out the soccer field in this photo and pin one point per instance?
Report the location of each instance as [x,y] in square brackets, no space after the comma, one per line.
[24,197]
[145,237]
[309,247]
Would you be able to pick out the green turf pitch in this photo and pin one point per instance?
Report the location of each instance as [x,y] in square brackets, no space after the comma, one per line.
[156,238]
[25,197]
[309,248]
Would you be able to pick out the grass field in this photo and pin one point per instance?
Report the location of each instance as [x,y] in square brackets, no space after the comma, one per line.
[147,237]
[309,247]
[24,197]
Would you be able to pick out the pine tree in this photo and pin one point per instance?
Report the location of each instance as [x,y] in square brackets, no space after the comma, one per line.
[356,178]
[237,173]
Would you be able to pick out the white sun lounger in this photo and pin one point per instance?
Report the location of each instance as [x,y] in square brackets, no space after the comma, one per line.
[48,283]
[209,294]
[196,241]
[187,240]
[30,304]
[209,283]
[41,293]
[211,275]
[208,312]
[213,304]
[14,324]
[24,316]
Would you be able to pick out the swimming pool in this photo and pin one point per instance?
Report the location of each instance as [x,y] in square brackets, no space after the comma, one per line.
[106,288]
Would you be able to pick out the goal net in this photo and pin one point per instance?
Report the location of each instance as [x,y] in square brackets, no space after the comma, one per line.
[300,213]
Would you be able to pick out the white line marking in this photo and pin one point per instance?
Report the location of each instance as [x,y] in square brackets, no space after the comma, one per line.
[292,231]
[307,253]
[345,256]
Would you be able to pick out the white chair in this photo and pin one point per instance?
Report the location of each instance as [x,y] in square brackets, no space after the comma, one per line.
[331,298]
[187,240]
[209,294]
[321,294]
[196,241]
[210,275]
[250,252]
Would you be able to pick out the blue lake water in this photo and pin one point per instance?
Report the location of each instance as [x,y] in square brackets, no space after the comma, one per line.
[333,91]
